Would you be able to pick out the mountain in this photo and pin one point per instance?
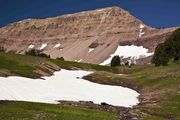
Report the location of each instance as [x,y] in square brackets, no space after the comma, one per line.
[90,36]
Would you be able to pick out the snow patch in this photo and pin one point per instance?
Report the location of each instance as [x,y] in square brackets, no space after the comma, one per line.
[141,33]
[29,19]
[43,46]
[90,50]
[80,60]
[129,51]
[19,22]
[57,45]
[142,26]
[31,46]
[65,85]
[141,30]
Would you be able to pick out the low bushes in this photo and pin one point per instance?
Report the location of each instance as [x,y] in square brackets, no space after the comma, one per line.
[2,49]
[60,58]
[34,52]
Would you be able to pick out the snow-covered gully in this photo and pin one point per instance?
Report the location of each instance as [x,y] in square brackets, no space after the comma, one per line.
[65,85]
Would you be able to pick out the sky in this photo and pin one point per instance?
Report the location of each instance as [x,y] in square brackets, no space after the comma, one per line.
[155,13]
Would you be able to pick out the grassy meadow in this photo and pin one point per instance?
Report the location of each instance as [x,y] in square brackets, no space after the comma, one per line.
[39,111]
[159,86]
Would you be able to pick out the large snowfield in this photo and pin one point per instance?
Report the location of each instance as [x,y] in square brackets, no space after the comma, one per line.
[65,85]
[128,51]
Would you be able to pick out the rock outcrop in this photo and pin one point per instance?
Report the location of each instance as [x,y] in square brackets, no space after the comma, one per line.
[89,36]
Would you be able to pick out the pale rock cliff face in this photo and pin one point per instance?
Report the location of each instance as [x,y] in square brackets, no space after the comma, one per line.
[72,36]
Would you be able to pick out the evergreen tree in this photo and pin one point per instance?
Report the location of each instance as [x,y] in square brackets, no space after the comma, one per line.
[160,57]
[115,61]
[170,49]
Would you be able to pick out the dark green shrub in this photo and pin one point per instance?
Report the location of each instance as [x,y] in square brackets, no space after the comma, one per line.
[160,57]
[115,61]
[2,49]
[34,52]
[173,44]
[44,55]
[60,58]
[126,63]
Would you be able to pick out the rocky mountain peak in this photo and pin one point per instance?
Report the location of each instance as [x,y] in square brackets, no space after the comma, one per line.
[105,28]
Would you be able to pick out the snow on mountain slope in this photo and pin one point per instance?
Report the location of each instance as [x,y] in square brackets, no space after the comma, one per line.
[31,46]
[90,50]
[57,45]
[129,51]
[43,46]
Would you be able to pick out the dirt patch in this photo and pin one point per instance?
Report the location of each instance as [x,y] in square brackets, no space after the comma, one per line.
[148,98]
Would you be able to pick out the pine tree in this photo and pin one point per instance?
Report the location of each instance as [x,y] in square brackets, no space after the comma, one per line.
[115,61]
[168,50]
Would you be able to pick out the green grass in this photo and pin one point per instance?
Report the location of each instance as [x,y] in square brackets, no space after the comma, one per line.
[15,66]
[157,77]
[25,65]
[38,111]
[84,66]
[110,79]
[165,81]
